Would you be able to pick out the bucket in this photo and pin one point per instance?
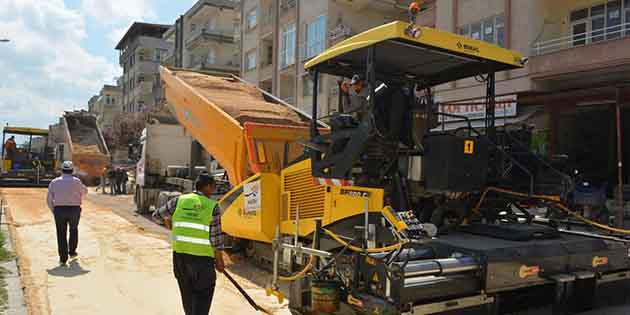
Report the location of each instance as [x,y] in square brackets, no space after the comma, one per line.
[325,296]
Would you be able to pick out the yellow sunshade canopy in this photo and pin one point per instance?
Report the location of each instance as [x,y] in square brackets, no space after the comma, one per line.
[425,55]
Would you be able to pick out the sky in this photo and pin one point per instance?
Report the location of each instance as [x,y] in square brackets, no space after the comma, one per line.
[61,52]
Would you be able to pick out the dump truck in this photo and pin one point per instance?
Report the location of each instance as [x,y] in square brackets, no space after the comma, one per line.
[164,151]
[30,163]
[339,208]
[84,145]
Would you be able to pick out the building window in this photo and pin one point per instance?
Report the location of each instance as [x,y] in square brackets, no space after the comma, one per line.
[159,54]
[193,27]
[316,37]
[191,61]
[252,18]
[491,30]
[600,22]
[307,85]
[211,59]
[287,55]
[251,60]
[268,57]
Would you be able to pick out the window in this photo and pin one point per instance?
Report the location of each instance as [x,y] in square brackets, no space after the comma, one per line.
[613,19]
[252,18]
[500,30]
[600,22]
[191,61]
[251,60]
[269,51]
[491,30]
[159,54]
[211,59]
[307,85]
[315,37]
[193,27]
[287,55]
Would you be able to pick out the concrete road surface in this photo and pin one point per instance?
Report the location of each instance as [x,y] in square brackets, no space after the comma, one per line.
[124,264]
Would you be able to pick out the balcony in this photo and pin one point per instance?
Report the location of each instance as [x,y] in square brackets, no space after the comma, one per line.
[203,35]
[230,67]
[266,25]
[583,56]
[339,33]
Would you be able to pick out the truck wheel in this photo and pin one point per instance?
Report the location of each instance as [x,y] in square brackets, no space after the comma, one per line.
[137,198]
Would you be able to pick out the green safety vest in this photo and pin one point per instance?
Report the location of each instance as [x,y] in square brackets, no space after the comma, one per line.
[191,225]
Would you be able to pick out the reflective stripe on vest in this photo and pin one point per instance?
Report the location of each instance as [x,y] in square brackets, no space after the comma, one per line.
[191,225]
[194,226]
[192,240]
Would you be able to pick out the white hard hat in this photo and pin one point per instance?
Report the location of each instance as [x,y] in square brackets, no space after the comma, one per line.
[67,166]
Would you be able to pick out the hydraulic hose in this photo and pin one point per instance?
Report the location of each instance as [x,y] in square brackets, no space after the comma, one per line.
[299,274]
[556,202]
[302,272]
[353,248]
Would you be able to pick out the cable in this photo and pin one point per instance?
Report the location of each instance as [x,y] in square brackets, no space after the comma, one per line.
[556,201]
[301,273]
[339,240]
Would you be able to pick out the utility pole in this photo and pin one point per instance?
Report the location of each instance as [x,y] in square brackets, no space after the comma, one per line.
[620,211]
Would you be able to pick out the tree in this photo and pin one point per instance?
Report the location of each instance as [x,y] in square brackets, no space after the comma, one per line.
[127,129]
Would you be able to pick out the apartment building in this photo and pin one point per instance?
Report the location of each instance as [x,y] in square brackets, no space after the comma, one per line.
[206,37]
[279,36]
[106,106]
[574,90]
[141,51]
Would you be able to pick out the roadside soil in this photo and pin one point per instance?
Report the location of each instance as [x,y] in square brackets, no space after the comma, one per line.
[124,264]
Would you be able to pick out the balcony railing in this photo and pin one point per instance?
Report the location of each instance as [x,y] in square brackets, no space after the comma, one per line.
[340,32]
[219,34]
[581,39]
[205,64]
[287,4]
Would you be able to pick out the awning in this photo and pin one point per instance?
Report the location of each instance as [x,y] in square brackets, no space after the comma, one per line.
[524,114]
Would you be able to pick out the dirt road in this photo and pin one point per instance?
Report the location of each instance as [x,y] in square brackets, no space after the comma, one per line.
[124,264]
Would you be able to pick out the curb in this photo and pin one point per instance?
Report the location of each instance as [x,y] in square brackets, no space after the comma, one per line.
[16,304]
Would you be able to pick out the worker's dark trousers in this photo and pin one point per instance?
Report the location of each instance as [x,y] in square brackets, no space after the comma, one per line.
[196,278]
[67,216]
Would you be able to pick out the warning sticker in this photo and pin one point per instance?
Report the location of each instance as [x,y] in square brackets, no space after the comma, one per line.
[528,271]
[252,194]
[469,147]
[599,261]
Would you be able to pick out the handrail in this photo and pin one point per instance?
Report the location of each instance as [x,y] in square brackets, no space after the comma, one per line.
[602,34]
[544,162]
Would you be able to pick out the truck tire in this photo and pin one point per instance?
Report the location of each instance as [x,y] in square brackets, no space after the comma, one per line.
[138,199]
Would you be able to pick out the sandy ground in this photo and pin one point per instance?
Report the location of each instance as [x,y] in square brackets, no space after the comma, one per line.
[124,264]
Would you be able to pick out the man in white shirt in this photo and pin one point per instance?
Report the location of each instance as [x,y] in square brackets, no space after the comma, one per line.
[65,195]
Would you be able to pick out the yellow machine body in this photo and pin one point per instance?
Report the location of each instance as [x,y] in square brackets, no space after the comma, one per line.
[265,201]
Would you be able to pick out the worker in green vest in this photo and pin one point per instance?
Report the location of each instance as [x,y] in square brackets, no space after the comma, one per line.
[197,241]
